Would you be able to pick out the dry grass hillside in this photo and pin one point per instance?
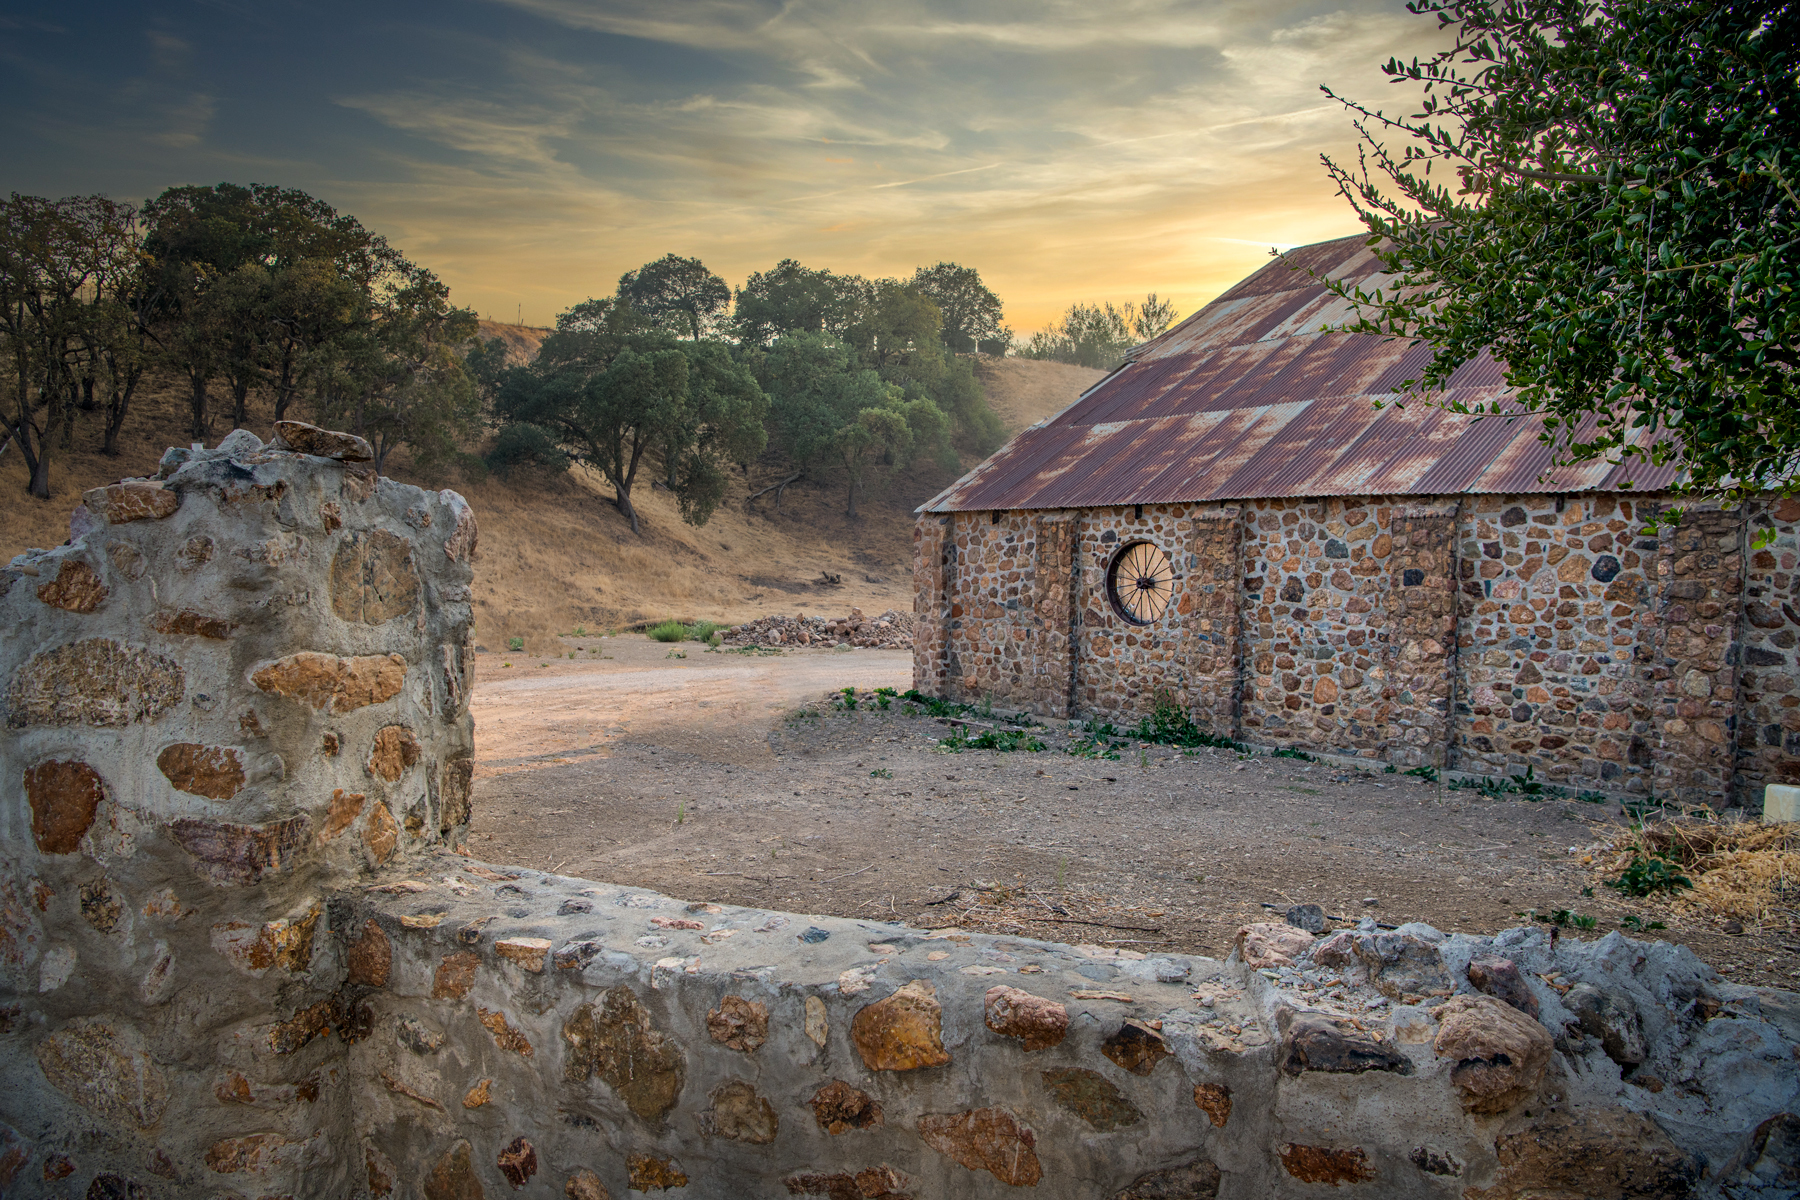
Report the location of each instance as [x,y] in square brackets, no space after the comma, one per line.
[556,554]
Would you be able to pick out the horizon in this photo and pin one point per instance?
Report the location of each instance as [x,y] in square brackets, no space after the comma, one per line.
[531,151]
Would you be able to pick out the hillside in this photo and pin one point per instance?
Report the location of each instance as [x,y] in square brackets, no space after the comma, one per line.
[556,554]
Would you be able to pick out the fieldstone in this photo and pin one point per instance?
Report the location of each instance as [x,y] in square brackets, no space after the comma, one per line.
[240,853]
[255,948]
[1263,944]
[254,1153]
[107,1186]
[454,976]
[985,1139]
[817,1022]
[380,834]
[188,623]
[616,1040]
[1401,964]
[1434,1162]
[453,1176]
[329,684]
[872,1183]
[1213,1099]
[370,957]
[453,793]
[215,772]
[1771,1157]
[478,1095]
[1500,978]
[839,1108]
[738,1113]
[121,503]
[379,1169]
[1092,1097]
[373,578]
[127,560]
[396,748]
[1136,1048]
[518,1162]
[739,1024]
[417,1036]
[1327,1164]
[1035,1021]
[1325,691]
[460,546]
[1604,1154]
[289,1036]
[345,807]
[95,682]
[1612,1019]
[1315,1042]
[63,795]
[1192,1181]
[105,1067]
[585,1185]
[100,908]
[902,1032]
[506,1036]
[1309,917]
[648,1173]
[195,553]
[1499,1053]
[77,588]
[302,438]
[527,952]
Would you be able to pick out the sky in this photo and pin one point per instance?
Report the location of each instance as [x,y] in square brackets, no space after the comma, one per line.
[531,151]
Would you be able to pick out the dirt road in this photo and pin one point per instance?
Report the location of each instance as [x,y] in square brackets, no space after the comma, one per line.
[732,778]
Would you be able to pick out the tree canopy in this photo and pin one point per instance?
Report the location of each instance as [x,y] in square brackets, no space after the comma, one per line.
[678,294]
[1615,214]
[1100,335]
[971,313]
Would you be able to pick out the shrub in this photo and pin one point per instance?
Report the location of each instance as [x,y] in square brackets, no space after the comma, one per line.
[1647,875]
[667,631]
[517,643]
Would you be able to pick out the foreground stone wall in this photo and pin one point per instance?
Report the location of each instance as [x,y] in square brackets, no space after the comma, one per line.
[1574,636]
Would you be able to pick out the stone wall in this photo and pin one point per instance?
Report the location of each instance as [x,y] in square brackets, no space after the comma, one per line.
[243,952]
[1573,636]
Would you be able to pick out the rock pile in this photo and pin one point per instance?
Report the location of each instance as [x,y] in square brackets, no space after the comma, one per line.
[892,630]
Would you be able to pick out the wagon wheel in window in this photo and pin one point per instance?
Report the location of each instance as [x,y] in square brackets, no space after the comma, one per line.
[1140,583]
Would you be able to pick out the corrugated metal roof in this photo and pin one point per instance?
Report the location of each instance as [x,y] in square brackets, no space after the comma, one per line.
[1256,395]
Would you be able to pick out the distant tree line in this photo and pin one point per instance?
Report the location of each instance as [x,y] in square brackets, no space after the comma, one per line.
[1100,335]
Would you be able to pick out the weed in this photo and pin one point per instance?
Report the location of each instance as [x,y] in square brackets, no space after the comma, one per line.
[1580,921]
[884,696]
[581,631]
[1428,774]
[1588,892]
[1143,758]
[881,773]
[1633,921]
[517,643]
[1391,768]
[667,631]
[911,710]
[680,812]
[1647,875]
[1062,867]
[676,654]
[1591,797]
[1291,752]
[987,706]
[992,739]
[1562,917]
[1169,725]
[848,703]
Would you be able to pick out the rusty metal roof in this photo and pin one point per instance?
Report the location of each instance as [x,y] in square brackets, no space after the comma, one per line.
[1259,395]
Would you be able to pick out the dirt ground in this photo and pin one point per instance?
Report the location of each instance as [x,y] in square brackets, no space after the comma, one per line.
[731,777]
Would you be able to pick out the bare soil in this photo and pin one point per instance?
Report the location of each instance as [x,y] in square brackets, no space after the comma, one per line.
[733,778]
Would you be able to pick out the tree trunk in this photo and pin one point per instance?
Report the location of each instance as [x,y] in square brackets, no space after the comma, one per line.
[623,503]
[284,387]
[197,403]
[851,513]
[240,394]
[116,408]
[40,478]
[87,394]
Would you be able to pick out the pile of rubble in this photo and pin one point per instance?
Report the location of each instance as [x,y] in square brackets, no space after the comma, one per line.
[892,630]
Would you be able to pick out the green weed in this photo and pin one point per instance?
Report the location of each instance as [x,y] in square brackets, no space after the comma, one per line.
[1428,774]
[667,631]
[992,739]
[517,643]
[881,773]
[1633,921]
[1647,875]
[848,703]
[1170,725]
[1291,752]
[884,696]
[680,812]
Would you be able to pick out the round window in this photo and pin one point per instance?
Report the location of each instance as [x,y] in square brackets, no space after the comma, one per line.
[1140,583]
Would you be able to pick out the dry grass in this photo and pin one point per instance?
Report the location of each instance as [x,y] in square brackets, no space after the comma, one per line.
[1741,869]
[1023,391]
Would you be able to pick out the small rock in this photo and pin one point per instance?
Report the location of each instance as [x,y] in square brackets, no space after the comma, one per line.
[1135,1048]
[902,1032]
[417,1036]
[453,1175]
[1191,1181]
[1309,917]
[1605,1154]
[1314,1042]
[518,1162]
[647,1173]
[814,935]
[1334,1165]
[1035,1021]
[1500,978]
[739,1024]
[1612,1019]
[1092,1097]
[302,438]
[1263,944]
[838,1108]
[585,1185]
[738,1113]
[1371,901]
[1733,927]
[528,952]
[1499,1053]
[985,1139]
[1213,1099]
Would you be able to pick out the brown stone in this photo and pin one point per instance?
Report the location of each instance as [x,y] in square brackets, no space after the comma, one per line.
[1323,1164]
[505,1036]
[1499,1053]
[105,1067]
[739,1024]
[1213,1099]
[902,1032]
[454,976]
[127,560]
[1316,1042]
[478,1095]
[302,438]
[330,684]
[985,1139]
[527,952]
[287,1037]
[647,1173]
[518,1162]
[460,546]
[1136,1048]
[585,1185]
[1037,1022]
[1092,1097]
[453,1176]
[370,957]
[738,1113]
[254,1153]
[839,1108]
[380,1171]
[195,553]
[373,578]
[615,1040]
[1382,546]
[1606,1154]
[240,853]
[380,834]
[1191,1181]
[56,1166]
[63,796]
[1325,691]
[216,772]
[94,682]
[77,588]
[453,804]
[395,749]
[873,1183]
[255,948]
[140,500]
[1500,978]
[345,808]
[1271,944]
[188,623]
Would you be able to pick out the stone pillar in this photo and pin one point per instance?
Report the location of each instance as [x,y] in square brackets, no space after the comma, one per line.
[1421,619]
[1768,734]
[1700,575]
[241,685]
[931,603]
[1211,625]
[1053,603]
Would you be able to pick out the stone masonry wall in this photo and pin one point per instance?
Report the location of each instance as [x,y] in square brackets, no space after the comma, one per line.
[1573,636]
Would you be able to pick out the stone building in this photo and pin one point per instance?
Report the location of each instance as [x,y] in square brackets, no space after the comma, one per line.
[1229,521]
